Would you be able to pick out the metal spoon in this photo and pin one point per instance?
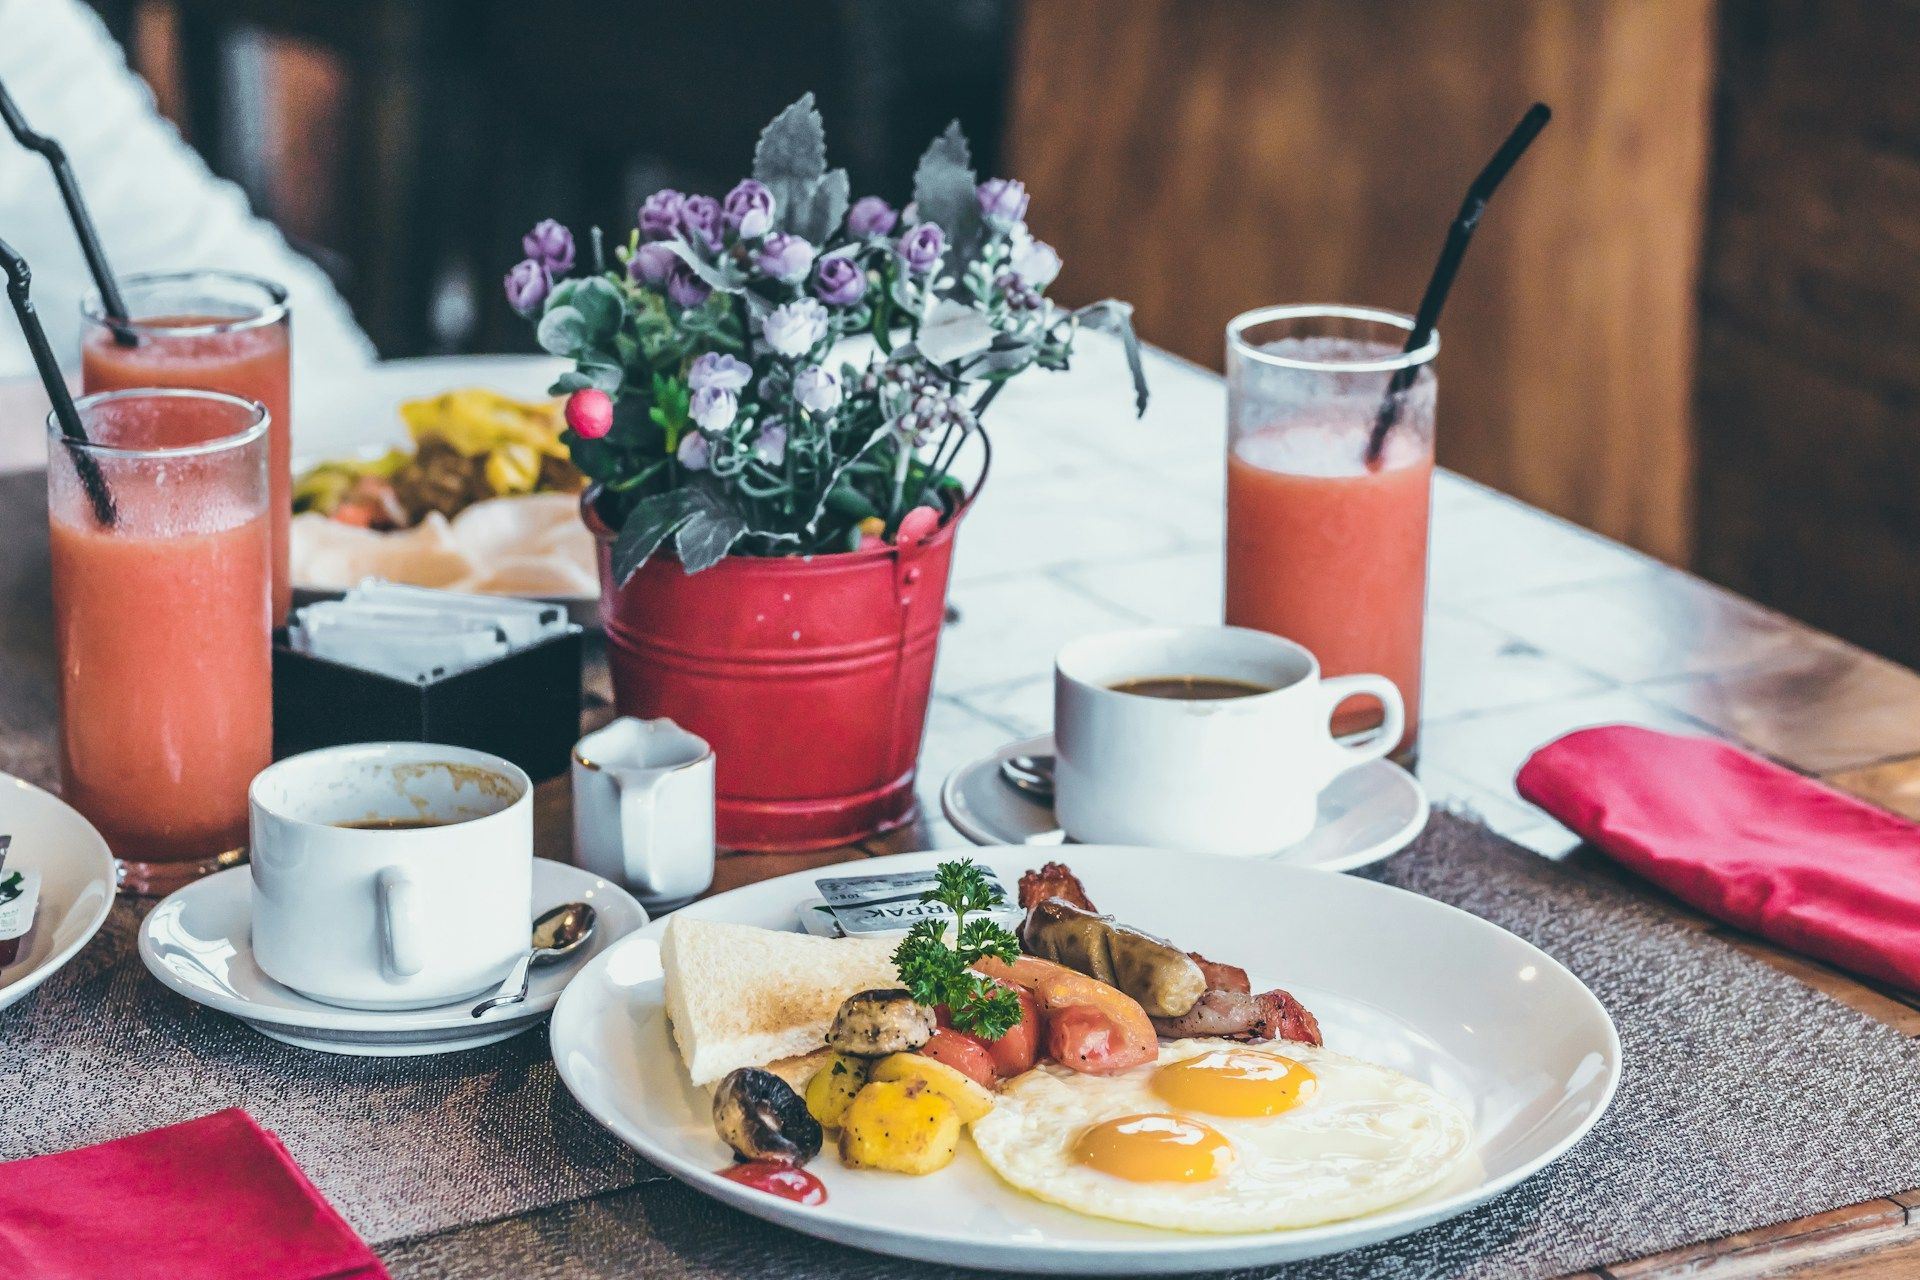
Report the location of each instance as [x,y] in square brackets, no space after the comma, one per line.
[558,933]
[1030,775]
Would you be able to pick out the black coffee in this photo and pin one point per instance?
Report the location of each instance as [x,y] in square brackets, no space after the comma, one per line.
[392,824]
[1189,688]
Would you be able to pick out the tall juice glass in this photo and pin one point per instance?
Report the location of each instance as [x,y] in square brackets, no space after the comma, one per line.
[1325,546]
[162,623]
[214,331]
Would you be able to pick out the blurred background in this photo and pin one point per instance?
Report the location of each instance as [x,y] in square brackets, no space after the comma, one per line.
[1689,323]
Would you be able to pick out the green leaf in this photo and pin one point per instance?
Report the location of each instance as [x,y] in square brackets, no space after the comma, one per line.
[791,159]
[943,192]
[562,331]
[607,377]
[562,295]
[569,382]
[711,528]
[601,307]
[648,525]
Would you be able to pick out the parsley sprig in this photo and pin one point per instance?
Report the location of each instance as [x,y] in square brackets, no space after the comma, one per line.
[935,973]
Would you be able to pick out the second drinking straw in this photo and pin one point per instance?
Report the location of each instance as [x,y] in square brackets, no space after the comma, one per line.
[56,158]
[19,282]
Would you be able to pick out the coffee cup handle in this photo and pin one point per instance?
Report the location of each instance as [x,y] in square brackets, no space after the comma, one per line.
[398,899]
[1336,690]
[639,800]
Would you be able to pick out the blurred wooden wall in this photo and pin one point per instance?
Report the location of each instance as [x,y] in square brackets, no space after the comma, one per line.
[1810,327]
[1201,157]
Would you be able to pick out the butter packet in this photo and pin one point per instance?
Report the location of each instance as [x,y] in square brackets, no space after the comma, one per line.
[19,896]
[880,905]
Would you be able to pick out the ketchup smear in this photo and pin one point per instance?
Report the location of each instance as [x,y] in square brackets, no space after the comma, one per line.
[777,1179]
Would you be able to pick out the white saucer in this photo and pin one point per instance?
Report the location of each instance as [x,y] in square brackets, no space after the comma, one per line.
[198,942]
[1366,814]
[76,882]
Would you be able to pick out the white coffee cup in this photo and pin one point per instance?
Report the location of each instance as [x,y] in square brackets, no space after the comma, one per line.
[1237,775]
[643,809]
[390,917]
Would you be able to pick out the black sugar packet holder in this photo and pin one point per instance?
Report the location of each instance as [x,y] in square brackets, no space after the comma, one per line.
[523,706]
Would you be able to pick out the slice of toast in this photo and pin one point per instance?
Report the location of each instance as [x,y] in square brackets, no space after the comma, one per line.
[739,996]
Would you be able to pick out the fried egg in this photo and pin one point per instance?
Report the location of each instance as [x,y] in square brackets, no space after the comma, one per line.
[1221,1136]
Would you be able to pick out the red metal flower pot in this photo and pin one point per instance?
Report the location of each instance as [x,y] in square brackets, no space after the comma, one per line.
[809,675]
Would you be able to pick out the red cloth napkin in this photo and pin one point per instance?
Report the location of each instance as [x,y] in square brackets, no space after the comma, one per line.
[1743,840]
[216,1198]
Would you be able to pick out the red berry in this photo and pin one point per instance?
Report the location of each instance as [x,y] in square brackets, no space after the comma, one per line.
[590,413]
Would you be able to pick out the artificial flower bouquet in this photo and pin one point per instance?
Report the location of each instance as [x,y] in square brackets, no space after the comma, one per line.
[788,372]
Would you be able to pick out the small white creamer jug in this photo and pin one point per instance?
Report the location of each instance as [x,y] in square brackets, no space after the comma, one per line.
[643,809]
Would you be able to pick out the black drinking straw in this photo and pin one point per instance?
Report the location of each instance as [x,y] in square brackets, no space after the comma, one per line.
[56,158]
[19,280]
[1471,210]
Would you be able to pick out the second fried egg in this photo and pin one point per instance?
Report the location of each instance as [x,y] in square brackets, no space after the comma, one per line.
[1221,1136]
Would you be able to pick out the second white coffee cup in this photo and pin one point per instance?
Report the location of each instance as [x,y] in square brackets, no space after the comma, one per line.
[1238,774]
[391,875]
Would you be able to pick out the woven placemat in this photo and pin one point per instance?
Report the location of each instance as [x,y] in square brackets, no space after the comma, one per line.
[402,1146]
[1748,1098]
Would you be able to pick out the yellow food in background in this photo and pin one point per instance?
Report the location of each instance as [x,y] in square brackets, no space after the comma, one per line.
[468,445]
[833,1087]
[899,1125]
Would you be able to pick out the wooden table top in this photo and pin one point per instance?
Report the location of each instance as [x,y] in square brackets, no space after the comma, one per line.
[1093,522]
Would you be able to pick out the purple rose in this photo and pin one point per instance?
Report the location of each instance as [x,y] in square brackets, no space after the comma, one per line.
[660,214]
[1003,201]
[713,408]
[720,371]
[684,288]
[528,285]
[693,451]
[871,216]
[700,221]
[795,328]
[551,245]
[921,248]
[839,282]
[748,211]
[784,257]
[770,446]
[817,390]
[651,264]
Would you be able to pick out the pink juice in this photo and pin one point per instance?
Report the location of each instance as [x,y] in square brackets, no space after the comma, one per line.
[162,622]
[211,349]
[1332,555]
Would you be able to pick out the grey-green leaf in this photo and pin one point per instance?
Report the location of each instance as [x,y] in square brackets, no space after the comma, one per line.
[711,528]
[817,214]
[649,524]
[562,331]
[791,159]
[1115,316]
[943,192]
[720,276]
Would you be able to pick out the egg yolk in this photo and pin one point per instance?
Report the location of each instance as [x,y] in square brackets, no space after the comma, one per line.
[1236,1082]
[1154,1148]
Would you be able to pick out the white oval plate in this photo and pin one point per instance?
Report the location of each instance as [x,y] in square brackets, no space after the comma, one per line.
[77,880]
[199,942]
[1492,1021]
[1366,814]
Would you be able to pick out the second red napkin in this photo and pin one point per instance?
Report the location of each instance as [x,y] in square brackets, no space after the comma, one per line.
[1744,840]
[216,1198]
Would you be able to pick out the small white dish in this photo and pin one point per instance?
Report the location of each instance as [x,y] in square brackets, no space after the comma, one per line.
[1366,814]
[197,942]
[1490,1020]
[76,882]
